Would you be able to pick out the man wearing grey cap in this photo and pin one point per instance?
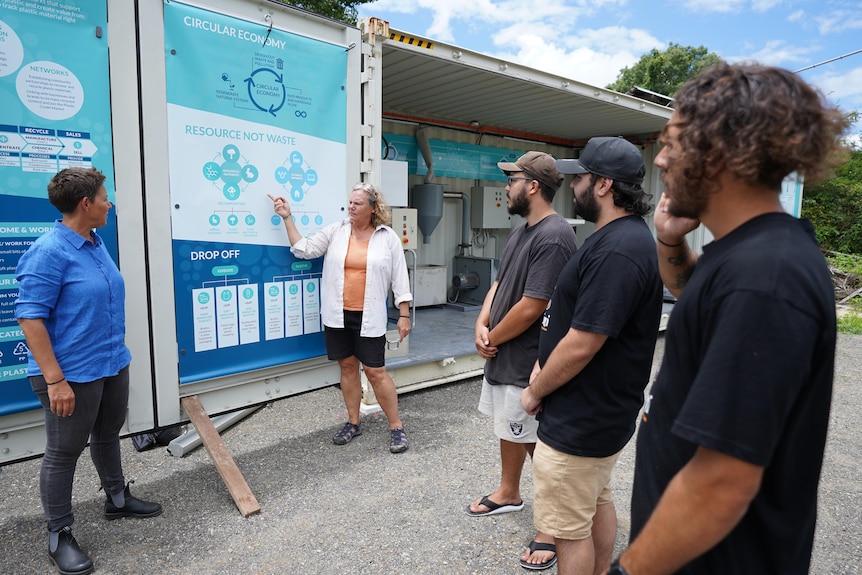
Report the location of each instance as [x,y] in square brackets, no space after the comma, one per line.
[595,355]
[507,329]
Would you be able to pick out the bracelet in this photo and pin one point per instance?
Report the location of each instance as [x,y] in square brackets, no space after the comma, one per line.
[55,382]
[659,240]
[285,217]
[404,317]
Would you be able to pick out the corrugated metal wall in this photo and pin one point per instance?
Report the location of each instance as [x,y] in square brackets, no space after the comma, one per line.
[447,234]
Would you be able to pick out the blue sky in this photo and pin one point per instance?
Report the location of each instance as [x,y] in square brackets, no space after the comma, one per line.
[591,41]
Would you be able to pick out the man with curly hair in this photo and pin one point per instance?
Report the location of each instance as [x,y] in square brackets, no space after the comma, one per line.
[731,440]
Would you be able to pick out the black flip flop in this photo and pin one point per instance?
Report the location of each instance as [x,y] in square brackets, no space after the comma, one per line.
[536,546]
[495,508]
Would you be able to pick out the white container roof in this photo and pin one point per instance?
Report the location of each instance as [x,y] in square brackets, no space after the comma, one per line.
[439,84]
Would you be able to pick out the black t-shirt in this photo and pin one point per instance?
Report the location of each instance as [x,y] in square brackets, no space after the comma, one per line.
[612,287]
[531,262]
[747,371]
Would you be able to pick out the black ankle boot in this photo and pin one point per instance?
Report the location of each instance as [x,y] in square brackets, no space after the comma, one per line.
[133,507]
[68,557]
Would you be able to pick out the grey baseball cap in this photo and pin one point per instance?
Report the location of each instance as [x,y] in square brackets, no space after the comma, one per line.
[611,157]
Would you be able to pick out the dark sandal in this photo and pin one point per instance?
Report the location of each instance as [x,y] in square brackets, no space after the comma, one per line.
[398,440]
[495,508]
[536,546]
[348,432]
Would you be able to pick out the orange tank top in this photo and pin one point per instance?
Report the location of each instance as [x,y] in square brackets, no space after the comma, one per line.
[354,274]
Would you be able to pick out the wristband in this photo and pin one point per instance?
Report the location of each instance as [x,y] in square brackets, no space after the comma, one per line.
[659,240]
[55,382]
[285,217]
[404,317]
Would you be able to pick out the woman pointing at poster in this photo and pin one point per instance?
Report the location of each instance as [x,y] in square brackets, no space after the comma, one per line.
[362,260]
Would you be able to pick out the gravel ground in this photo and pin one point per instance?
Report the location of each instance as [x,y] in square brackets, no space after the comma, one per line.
[359,509]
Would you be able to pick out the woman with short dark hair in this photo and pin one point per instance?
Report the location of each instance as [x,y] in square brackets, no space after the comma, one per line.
[71,309]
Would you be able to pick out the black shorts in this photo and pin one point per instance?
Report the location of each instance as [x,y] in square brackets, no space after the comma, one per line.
[342,343]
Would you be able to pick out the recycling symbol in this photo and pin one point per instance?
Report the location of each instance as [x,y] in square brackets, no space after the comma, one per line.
[266,90]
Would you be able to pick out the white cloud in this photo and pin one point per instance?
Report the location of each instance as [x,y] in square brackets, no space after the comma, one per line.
[777,53]
[727,6]
[713,5]
[764,5]
[839,21]
[588,57]
[548,36]
[443,12]
[798,16]
[844,88]
[555,17]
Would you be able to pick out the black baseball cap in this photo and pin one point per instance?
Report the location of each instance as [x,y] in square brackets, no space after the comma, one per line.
[610,157]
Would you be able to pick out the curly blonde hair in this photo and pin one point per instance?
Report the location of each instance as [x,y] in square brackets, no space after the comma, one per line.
[380,214]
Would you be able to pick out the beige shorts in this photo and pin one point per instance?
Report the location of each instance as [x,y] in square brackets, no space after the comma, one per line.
[568,488]
[503,404]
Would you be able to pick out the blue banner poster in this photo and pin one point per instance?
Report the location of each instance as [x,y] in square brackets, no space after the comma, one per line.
[54,113]
[252,110]
[451,159]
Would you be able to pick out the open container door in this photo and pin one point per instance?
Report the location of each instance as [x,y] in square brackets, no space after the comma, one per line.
[240,99]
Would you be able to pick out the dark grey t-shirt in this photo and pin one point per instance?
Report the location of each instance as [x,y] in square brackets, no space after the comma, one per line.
[532,260]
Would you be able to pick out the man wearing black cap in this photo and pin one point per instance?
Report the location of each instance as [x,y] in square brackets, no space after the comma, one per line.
[507,329]
[595,355]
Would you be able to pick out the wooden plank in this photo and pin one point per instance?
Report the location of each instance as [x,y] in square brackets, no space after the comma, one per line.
[851,296]
[231,475]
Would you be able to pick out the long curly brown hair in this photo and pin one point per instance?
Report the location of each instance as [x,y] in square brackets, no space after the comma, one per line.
[760,123]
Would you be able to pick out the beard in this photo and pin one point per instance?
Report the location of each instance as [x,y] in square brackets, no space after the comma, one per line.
[586,206]
[519,205]
[686,201]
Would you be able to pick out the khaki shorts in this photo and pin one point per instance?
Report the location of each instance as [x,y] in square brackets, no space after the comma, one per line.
[511,422]
[568,488]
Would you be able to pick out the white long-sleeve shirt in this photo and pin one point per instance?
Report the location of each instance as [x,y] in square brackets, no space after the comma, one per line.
[386,268]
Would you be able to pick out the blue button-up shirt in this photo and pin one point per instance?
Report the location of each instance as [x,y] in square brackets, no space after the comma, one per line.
[75,287]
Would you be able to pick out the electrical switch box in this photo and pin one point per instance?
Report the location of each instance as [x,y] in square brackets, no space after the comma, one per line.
[488,208]
[393,182]
[404,222]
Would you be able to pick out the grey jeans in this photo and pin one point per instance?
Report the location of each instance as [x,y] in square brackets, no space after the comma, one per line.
[100,410]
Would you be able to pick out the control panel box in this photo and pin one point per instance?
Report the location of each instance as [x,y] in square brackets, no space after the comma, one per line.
[488,208]
[405,224]
[393,182]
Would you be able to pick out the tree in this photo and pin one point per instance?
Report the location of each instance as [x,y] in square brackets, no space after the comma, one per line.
[665,71]
[344,10]
[834,206]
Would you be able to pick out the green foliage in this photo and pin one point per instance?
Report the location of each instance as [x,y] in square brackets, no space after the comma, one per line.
[344,10]
[850,322]
[847,263]
[665,71]
[835,207]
